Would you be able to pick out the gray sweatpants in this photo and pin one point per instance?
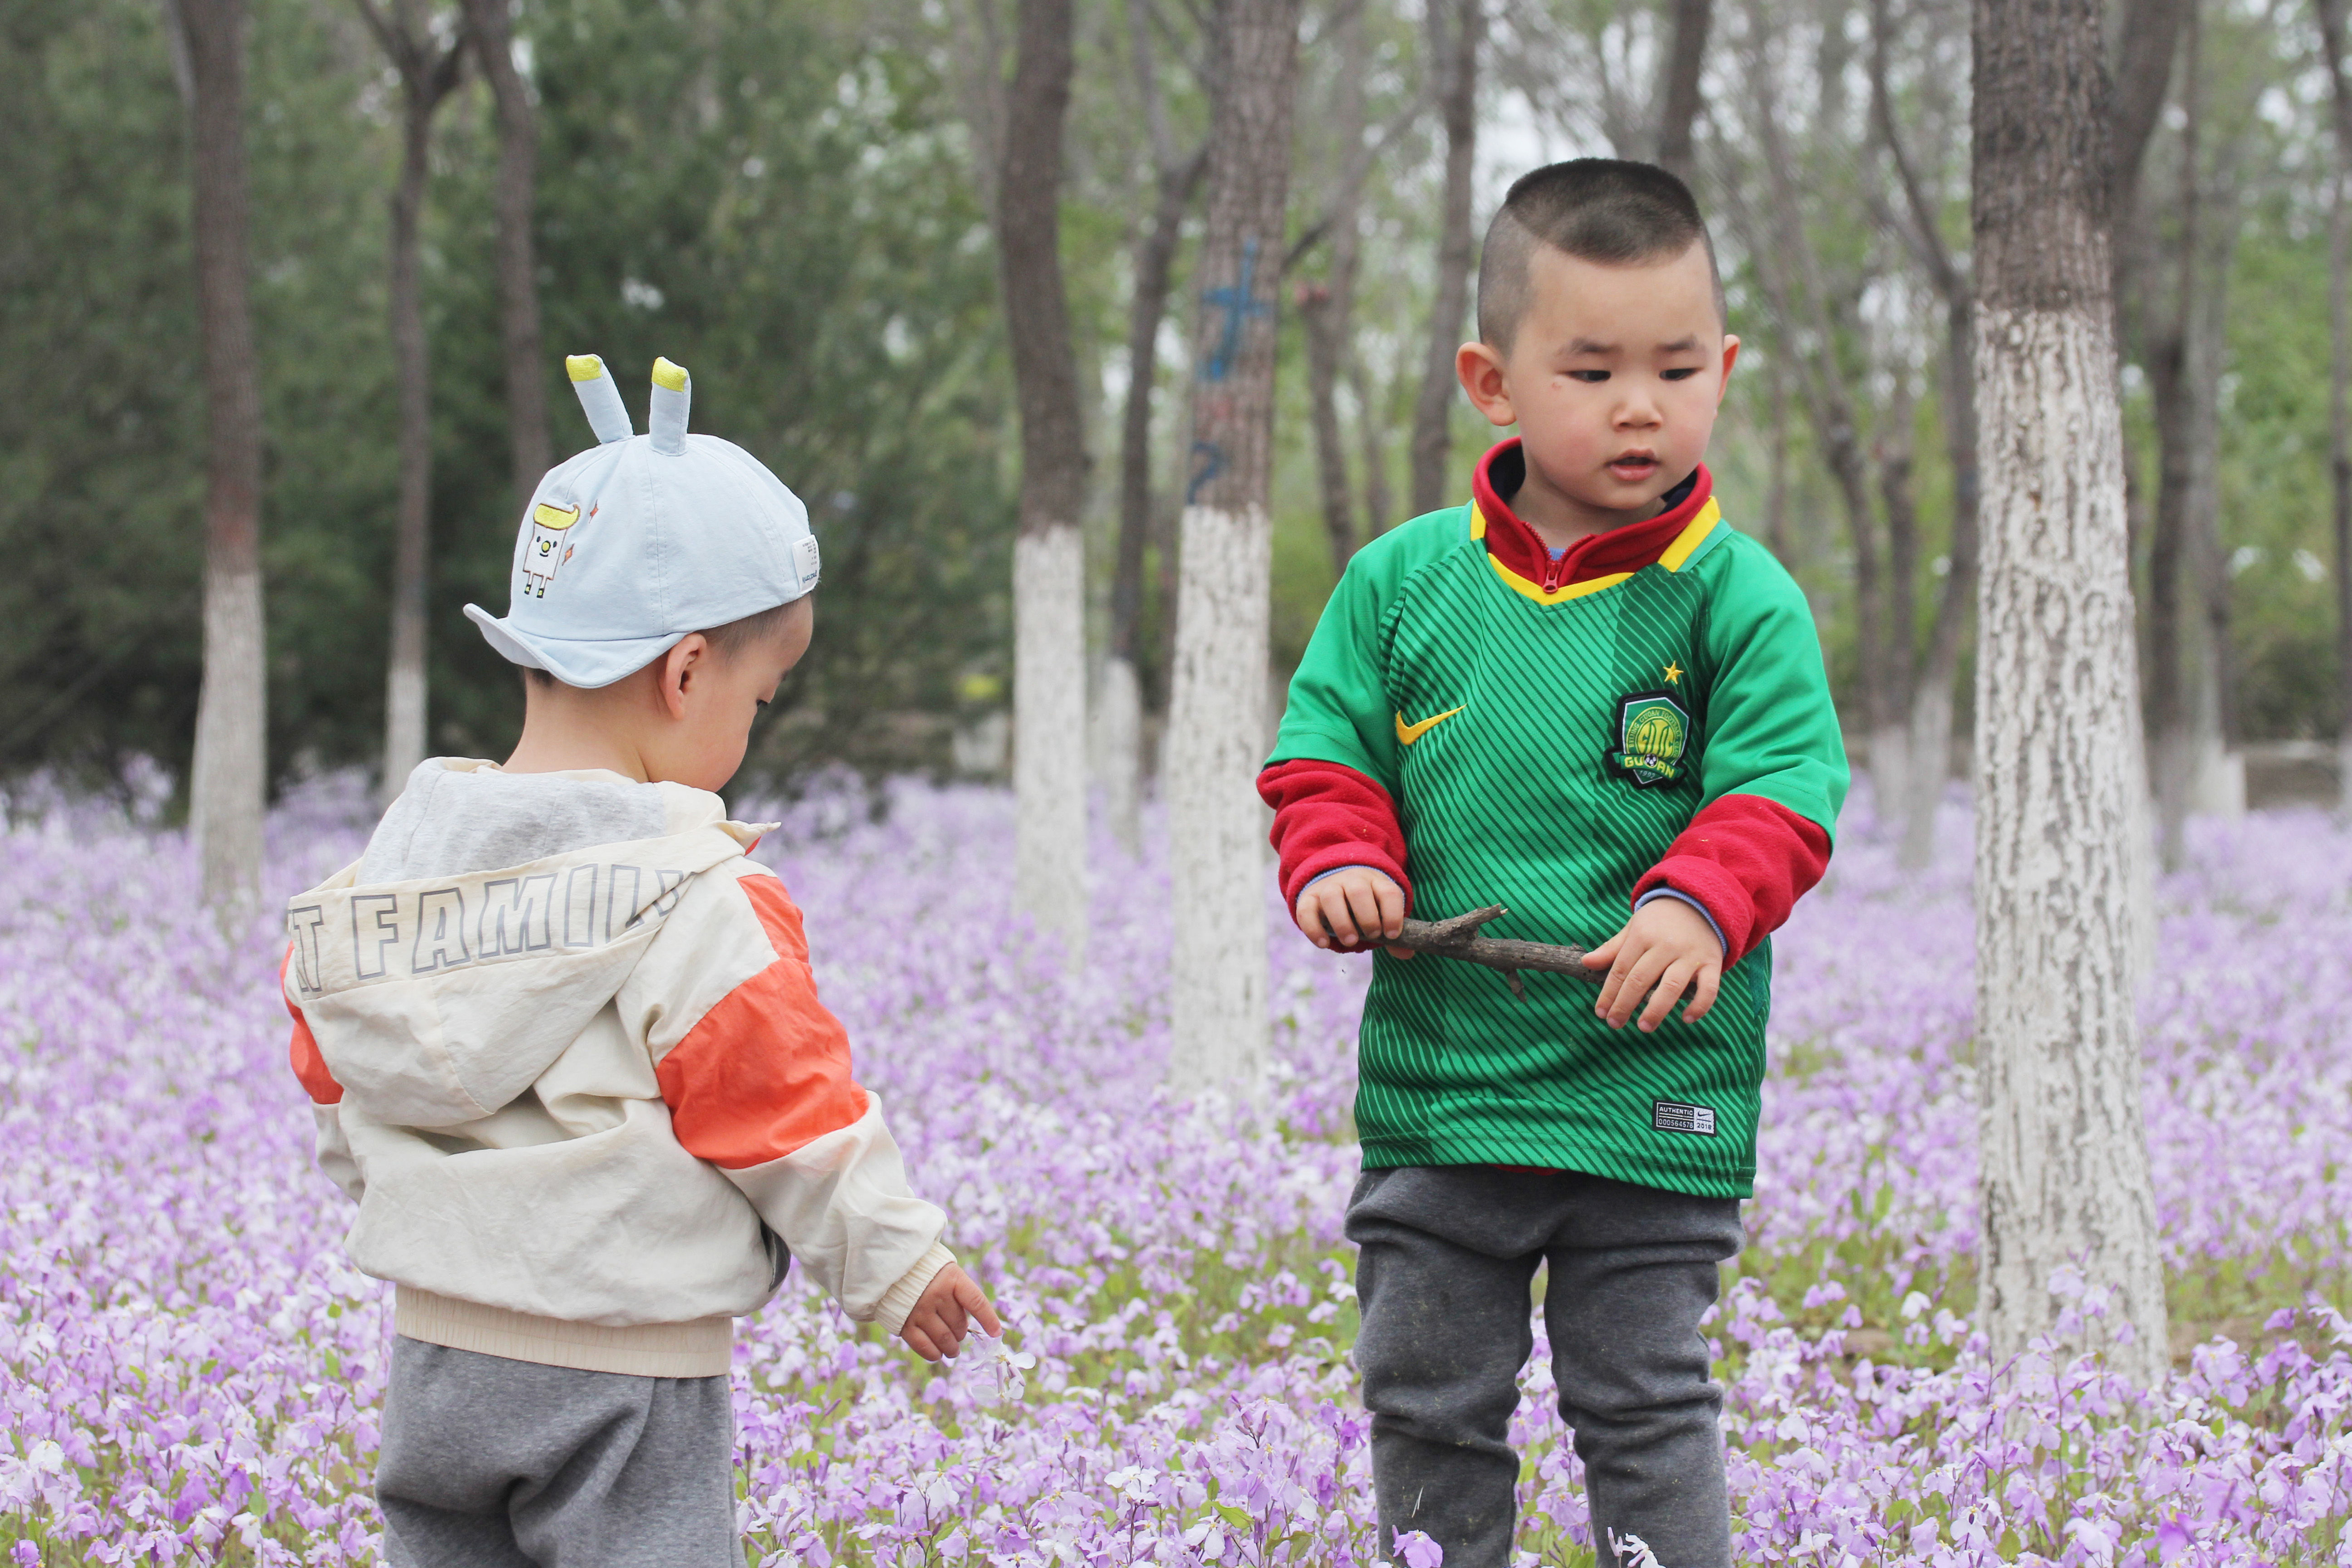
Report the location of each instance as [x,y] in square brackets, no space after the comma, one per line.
[1448,1256]
[491,1463]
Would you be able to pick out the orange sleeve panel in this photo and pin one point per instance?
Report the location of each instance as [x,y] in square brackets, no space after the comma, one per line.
[767,1069]
[303,1052]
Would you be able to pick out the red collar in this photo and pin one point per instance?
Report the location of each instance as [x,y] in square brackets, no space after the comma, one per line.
[1516,546]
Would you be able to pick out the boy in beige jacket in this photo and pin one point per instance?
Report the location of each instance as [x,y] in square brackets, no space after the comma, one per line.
[565,1051]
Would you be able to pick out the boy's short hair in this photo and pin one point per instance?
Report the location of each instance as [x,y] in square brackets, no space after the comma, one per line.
[1606,210]
[734,637]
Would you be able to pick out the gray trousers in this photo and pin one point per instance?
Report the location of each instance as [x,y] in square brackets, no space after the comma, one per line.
[491,1463]
[1449,1254]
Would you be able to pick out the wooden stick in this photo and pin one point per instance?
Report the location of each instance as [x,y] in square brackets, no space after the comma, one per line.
[1459,938]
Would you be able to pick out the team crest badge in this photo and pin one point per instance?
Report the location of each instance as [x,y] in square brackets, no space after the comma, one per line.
[1652,733]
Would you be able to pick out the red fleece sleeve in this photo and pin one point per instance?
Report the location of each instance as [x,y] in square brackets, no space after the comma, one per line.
[1748,860]
[1326,815]
[767,1069]
[302,1051]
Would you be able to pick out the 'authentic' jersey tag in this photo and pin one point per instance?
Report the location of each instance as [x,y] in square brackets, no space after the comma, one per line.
[1671,1116]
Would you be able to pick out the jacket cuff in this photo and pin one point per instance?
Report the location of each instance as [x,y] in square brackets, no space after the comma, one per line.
[898,1303]
[1327,817]
[1746,861]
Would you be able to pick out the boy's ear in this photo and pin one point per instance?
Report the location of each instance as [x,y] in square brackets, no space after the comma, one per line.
[676,670]
[1730,358]
[1479,367]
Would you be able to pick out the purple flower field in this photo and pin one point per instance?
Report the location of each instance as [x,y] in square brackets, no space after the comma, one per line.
[190,1371]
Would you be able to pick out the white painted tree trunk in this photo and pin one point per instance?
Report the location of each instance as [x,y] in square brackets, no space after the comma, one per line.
[1929,744]
[403,725]
[1890,776]
[1119,747]
[2065,1180]
[1216,740]
[228,780]
[2139,847]
[1049,738]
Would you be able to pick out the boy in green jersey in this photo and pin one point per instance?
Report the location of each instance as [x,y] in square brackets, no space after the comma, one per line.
[1580,691]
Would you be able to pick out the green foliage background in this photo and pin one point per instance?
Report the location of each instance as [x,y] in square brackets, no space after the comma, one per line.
[791,192]
[797,187]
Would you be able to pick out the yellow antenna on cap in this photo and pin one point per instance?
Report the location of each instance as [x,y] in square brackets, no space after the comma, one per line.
[599,398]
[666,414]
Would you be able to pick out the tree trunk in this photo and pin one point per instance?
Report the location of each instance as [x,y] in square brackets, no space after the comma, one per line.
[2065,1180]
[2339,383]
[1789,269]
[2167,712]
[2219,787]
[1327,309]
[1372,438]
[489,24]
[1216,719]
[229,777]
[1929,742]
[1432,412]
[1121,706]
[2193,765]
[428,73]
[1155,260]
[1049,653]
[2145,41]
[1776,487]
[1678,87]
[1324,310]
[1891,757]
[1931,694]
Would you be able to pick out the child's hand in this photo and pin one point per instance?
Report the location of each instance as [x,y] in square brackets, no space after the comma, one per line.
[1666,945]
[935,1328]
[1348,909]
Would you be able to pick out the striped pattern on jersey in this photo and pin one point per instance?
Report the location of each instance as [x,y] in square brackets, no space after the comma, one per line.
[1511,801]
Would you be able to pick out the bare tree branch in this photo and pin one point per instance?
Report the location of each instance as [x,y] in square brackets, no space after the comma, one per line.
[1457,938]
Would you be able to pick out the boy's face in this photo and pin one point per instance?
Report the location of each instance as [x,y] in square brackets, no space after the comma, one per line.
[712,697]
[1613,379]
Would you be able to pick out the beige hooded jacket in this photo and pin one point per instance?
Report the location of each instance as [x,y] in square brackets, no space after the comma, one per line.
[565,1051]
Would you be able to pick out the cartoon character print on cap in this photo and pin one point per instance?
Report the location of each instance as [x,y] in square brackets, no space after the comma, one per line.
[550,545]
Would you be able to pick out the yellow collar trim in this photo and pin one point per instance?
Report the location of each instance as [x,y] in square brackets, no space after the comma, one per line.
[1672,558]
[1691,538]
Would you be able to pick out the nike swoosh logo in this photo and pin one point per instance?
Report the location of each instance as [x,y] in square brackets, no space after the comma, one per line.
[1408,733]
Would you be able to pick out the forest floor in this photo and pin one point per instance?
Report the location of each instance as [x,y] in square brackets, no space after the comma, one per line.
[189,1371]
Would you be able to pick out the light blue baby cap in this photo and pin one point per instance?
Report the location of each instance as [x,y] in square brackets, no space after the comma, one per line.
[640,540]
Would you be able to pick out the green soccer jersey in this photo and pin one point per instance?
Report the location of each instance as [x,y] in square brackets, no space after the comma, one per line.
[1544,748]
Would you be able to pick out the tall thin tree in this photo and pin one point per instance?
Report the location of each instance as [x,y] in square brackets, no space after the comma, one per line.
[489,24]
[1049,650]
[426,61]
[1461,28]
[228,780]
[2189,587]
[1930,719]
[1326,309]
[1789,269]
[1217,717]
[1678,85]
[2065,1179]
[2339,379]
[1176,176]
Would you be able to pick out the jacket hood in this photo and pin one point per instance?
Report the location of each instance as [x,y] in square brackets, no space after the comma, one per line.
[437,1000]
